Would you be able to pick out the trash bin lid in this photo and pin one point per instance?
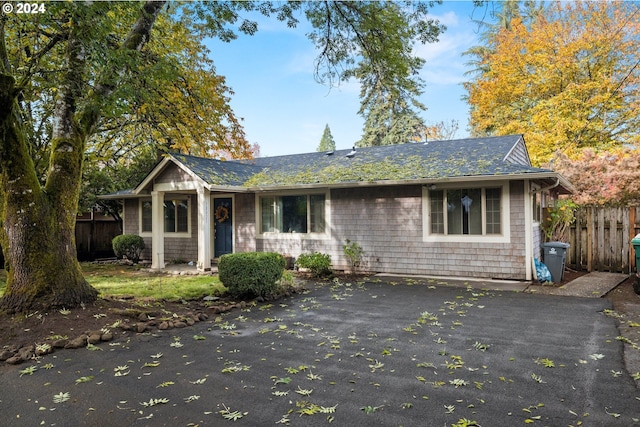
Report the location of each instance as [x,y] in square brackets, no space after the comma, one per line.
[636,240]
[562,244]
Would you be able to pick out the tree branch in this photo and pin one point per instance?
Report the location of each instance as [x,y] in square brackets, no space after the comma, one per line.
[135,41]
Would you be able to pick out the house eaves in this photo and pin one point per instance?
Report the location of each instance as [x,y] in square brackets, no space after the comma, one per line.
[564,187]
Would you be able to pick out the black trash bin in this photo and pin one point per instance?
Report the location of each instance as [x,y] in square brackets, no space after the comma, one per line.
[555,256]
[636,247]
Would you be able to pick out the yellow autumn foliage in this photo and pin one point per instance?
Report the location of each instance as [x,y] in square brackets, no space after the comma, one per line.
[567,79]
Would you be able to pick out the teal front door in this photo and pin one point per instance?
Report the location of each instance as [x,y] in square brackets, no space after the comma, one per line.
[222,226]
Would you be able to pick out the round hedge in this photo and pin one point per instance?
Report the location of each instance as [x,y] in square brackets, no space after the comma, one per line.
[251,274]
[128,246]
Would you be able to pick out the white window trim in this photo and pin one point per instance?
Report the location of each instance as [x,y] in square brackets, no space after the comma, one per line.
[182,234]
[505,216]
[168,234]
[143,233]
[294,236]
[535,188]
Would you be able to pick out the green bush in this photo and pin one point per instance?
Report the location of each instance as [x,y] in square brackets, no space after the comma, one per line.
[318,263]
[353,251]
[129,246]
[251,274]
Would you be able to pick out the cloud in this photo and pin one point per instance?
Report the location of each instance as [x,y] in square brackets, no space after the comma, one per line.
[444,61]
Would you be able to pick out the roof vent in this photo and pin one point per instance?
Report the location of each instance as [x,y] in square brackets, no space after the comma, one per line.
[330,153]
[352,152]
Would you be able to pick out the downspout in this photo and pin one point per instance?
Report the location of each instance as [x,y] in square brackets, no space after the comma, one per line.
[530,267]
[551,187]
[528,233]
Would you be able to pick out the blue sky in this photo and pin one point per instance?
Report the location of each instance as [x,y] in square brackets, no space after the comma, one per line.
[285,110]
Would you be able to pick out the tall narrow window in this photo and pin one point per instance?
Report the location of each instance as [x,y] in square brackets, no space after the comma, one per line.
[493,210]
[437,211]
[268,211]
[316,201]
[182,216]
[146,216]
[169,216]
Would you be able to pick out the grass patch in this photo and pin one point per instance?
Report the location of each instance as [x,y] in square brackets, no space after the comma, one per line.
[113,280]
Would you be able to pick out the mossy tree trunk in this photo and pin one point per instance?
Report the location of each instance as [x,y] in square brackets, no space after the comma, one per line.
[38,221]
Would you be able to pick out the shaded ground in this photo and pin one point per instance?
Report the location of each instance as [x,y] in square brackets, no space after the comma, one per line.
[369,353]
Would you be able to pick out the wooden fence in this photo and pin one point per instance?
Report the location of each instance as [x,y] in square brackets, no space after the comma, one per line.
[93,239]
[600,239]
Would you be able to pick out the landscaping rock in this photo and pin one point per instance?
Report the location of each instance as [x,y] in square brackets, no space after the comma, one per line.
[141,327]
[79,342]
[107,336]
[94,338]
[27,352]
[163,326]
[60,343]
[6,354]
[179,324]
[15,360]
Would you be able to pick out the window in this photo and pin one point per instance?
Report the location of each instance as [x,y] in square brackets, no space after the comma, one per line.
[473,211]
[176,216]
[292,214]
[146,216]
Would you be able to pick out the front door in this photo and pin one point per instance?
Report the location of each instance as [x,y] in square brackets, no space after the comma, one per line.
[222,226]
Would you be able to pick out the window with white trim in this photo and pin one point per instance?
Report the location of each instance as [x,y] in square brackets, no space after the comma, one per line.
[292,214]
[176,216]
[146,215]
[471,211]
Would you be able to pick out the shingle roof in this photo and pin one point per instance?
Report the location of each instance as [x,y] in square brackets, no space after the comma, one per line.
[218,172]
[433,160]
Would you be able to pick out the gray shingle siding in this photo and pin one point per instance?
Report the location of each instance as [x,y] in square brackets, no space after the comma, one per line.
[518,154]
[387,223]
[244,223]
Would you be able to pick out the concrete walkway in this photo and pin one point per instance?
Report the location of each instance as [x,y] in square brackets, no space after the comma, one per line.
[592,285]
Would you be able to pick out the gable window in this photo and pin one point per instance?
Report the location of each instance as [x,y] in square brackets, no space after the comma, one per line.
[176,216]
[292,214]
[459,214]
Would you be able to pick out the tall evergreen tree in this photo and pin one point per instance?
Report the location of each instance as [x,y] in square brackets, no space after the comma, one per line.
[326,142]
[386,68]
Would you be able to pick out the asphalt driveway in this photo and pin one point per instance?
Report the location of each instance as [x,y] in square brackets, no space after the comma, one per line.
[345,354]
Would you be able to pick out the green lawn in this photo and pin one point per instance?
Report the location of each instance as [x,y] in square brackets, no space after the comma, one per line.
[119,280]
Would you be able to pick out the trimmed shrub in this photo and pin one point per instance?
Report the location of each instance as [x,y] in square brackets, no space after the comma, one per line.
[128,246]
[318,263]
[251,274]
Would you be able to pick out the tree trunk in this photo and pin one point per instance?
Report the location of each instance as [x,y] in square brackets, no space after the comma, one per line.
[42,268]
[38,232]
[38,222]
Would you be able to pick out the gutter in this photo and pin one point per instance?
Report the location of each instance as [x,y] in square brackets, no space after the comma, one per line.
[550,187]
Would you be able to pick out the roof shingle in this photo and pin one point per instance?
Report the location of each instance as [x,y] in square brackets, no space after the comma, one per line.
[432,160]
